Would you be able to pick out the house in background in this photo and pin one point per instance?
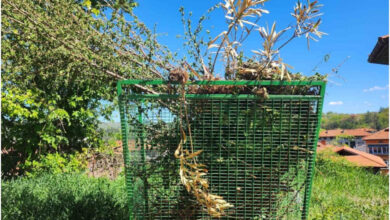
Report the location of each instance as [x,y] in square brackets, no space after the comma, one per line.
[359,158]
[350,137]
[378,144]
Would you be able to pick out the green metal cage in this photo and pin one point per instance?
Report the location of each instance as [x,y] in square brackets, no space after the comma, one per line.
[259,152]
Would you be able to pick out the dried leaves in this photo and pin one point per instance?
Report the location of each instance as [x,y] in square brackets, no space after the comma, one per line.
[192,176]
[241,14]
[238,14]
[305,23]
[178,75]
[270,37]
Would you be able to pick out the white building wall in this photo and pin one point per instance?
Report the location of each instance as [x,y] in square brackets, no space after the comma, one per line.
[359,143]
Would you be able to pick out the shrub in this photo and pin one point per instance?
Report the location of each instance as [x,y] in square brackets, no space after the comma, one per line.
[64,196]
[56,163]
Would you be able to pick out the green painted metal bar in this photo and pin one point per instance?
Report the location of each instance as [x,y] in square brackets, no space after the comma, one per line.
[272,152]
[203,135]
[312,164]
[119,88]
[298,152]
[220,96]
[280,151]
[246,154]
[219,139]
[236,162]
[309,176]
[262,161]
[254,147]
[143,156]
[289,141]
[228,82]
[212,137]
[229,137]
[126,154]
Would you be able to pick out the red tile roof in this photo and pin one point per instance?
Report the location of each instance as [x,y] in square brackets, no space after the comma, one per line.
[360,132]
[380,135]
[357,157]
[321,146]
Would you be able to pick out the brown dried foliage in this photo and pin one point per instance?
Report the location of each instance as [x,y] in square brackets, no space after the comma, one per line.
[178,75]
[192,176]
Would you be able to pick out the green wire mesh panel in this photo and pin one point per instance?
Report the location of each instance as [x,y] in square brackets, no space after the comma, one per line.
[259,152]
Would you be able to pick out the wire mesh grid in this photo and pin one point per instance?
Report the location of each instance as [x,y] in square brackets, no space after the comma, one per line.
[259,154]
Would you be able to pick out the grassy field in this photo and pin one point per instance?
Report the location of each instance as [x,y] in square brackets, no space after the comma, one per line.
[340,191]
[343,191]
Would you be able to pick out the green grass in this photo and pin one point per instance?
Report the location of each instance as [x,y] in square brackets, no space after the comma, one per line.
[63,196]
[344,191]
[340,191]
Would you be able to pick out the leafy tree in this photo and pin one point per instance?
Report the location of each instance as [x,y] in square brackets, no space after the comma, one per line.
[376,120]
[61,61]
[383,118]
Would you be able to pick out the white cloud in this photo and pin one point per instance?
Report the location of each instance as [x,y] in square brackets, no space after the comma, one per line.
[375,88]
[336,103]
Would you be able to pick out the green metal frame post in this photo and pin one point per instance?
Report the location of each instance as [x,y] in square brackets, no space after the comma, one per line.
[143,156]
[311,169]
[126,153]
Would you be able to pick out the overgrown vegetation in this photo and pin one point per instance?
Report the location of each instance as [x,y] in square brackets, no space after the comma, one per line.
[340,191]
[375,120]
[242,17]
[344,191]
[60,64]
[61,60]
[63,196]
[56,163]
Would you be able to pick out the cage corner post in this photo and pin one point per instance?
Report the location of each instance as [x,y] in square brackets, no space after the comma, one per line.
[310,177]
[125,149]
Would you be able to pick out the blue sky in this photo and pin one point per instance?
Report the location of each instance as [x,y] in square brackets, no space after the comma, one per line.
[352,27]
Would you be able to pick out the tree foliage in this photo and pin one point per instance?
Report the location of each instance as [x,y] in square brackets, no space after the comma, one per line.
[61,61]
[376,120]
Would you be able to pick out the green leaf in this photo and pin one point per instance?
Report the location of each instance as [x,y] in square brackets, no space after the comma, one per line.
[95,11]
[87,3]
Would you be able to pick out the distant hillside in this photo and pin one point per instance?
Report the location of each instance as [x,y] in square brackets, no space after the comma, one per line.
[375,120]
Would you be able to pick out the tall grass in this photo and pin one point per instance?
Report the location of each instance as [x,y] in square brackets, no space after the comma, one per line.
[64,196]
[344,191]
[340,191]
